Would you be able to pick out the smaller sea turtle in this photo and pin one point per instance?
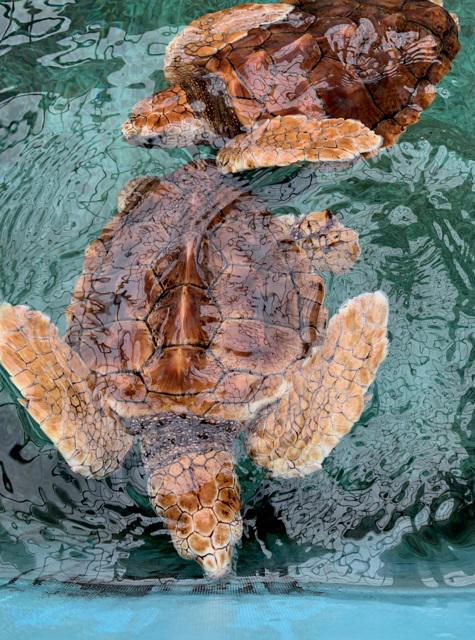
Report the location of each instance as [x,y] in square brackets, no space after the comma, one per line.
[199,315]
[314,80]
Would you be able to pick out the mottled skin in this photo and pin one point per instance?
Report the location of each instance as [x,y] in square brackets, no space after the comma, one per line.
[375,62]
[199,315]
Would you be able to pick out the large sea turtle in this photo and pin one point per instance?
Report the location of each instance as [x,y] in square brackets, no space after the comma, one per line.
[315,80]
[198,316]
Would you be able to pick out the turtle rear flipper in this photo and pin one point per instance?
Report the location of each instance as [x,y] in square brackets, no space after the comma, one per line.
[326,396]
[284,140]
[58,392]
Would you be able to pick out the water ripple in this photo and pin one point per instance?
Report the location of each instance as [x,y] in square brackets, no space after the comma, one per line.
[394,504]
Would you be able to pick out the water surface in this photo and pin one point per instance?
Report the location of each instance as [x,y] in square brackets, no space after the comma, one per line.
[394,504]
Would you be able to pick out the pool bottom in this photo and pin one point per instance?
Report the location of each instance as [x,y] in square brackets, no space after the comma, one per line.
[274,610]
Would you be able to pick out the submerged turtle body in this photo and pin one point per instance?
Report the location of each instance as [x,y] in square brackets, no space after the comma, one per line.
[202,307]
[263,76]
[198,316]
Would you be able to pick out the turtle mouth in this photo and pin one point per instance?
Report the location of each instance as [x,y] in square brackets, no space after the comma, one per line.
[218,573]
[218,564]
[138,137]
[187,133]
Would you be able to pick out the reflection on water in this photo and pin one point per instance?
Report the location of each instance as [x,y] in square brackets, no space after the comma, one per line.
[394,503]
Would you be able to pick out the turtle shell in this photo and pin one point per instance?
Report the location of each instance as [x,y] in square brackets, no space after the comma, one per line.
[194,298]
[375,61]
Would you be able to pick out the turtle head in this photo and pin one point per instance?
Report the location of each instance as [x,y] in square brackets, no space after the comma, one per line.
[193,485]
[166,119]
[197,494]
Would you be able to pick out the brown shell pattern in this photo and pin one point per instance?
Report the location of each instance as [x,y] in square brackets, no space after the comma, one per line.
[375,61]
[188,301]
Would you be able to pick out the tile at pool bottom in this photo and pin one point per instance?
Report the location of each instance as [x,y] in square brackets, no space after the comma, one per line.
[36,612]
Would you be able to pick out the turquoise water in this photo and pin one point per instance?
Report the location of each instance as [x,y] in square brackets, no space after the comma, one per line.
[45,612]
[394,504]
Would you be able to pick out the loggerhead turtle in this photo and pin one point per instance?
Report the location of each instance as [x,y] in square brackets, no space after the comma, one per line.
[314,80]
[198,316]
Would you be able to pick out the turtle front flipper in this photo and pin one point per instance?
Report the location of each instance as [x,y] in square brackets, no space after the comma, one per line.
[210,33]
[330,246]
[197,494]
[58,391]
[326,394]
[284,140]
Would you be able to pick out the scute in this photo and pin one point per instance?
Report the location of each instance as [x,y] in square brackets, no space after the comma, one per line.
[340,59]
[119,346]
[238,387]
[184,315]
[246,291]
[210,33]
[182,370]
[125,387]
[255,346]
[247,240]
[189,299]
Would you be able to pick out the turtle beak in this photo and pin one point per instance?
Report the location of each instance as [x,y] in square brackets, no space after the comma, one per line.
[219,564]
[141,136]
[129,130]
[131,133]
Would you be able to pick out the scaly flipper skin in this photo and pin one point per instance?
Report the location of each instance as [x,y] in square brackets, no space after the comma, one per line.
[330,246]
[133,191]
[325,396]
[208,34]
[195,313]
[58,393]
[288,139]
[198,496]
[373,61]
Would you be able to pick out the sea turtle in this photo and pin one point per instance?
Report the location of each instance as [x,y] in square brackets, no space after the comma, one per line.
[198,316]
[314,80]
